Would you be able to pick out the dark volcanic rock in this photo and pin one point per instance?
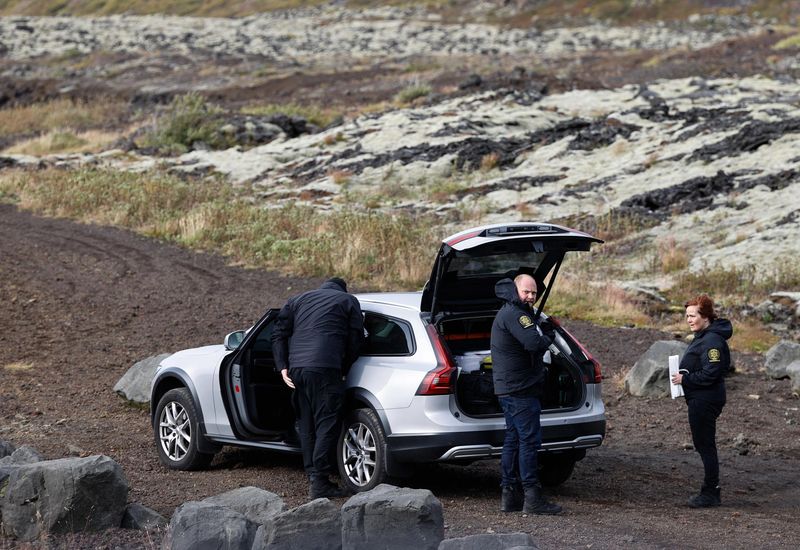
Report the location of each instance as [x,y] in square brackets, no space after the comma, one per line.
[747,140]
[689,196]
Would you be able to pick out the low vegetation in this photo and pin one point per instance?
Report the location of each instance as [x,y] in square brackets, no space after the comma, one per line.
[190,120]
[411,93]
[542,11]
[61,125]
[380,251]
[319,116]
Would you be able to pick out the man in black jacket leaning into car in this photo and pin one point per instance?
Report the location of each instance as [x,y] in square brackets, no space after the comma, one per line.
[518,346]
[317,337]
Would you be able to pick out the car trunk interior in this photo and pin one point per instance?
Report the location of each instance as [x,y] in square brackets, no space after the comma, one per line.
[468,339]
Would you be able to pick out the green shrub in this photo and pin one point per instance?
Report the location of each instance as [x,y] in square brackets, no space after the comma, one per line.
[412,92]
[189,120]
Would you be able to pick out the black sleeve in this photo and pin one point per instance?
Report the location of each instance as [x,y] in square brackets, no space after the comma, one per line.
[355,334]
[284,325]
[524,330]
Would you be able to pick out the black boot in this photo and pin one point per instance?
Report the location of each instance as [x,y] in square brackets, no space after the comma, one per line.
[322,487]
[536,503]
[511,499]
[708,498]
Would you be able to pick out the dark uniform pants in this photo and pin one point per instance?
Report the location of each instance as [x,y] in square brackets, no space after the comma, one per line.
[703,423]
[519,459]
[318,399]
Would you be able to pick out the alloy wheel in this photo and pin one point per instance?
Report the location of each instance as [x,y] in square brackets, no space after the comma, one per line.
[358,454]
[175,431]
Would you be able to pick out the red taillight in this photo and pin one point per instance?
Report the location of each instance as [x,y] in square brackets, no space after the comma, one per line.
[441,380]
[598,375]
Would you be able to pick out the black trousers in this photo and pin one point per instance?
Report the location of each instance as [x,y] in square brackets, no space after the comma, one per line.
[703,423]
[318,398]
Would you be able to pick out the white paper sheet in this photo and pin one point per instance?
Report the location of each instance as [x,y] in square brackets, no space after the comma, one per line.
[676,390]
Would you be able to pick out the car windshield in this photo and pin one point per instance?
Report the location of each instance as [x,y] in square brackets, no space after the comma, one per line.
[465,265]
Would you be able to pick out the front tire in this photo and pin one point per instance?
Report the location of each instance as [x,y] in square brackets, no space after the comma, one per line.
[361,451]
[176,432]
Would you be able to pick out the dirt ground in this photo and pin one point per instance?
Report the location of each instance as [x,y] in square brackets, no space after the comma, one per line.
[80,304]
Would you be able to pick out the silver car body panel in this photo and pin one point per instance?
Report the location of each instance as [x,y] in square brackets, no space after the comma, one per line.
[392,382]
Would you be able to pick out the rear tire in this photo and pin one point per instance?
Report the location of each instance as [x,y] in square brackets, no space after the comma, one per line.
[555,469]
[361,451]
[176,430]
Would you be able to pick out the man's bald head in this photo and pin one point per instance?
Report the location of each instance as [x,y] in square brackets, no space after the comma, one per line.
[526,288]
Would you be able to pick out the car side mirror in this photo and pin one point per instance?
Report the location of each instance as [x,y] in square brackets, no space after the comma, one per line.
[234,340]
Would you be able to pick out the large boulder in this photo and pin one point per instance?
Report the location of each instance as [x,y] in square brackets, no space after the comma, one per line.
[138,516]
[135,384]
[257,505]
[22,455]
[490,541]
[63,496]
[11,461]
[793,370]
[6,448]
[316,525]
[780,356]
[390,517]
[649,376]
[200,525]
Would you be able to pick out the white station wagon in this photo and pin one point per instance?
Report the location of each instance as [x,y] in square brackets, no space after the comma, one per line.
[421,391]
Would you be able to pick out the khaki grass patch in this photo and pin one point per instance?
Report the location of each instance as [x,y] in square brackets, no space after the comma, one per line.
[751,336]
[373,250]
[786,43]
[92,141]
[60,114]
[602,303]
[320,116]
[18,366]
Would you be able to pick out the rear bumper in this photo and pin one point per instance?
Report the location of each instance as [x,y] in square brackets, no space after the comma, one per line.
[454,446]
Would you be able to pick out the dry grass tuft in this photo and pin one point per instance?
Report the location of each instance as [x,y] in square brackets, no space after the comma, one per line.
[671,256]
[18,366]
[60,114]
[92,141]
[490,161]
[604,303]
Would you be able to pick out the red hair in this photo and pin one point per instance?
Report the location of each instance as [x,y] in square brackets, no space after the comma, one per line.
[705,306]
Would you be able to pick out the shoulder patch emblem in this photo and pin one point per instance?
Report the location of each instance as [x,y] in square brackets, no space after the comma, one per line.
[525,321]
[713,355]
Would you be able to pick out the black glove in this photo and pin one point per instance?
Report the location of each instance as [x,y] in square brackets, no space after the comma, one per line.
[547,327]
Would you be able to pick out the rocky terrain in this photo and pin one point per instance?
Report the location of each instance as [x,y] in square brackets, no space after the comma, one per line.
[683,131]
[683,153]
[79,304]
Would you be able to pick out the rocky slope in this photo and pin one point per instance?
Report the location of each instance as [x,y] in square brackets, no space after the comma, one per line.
[709,163]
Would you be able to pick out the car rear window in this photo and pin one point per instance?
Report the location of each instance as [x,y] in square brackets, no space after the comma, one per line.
[386,336]
[466,265]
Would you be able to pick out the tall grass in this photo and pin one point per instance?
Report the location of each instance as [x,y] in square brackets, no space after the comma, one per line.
[376,251]
[60,114]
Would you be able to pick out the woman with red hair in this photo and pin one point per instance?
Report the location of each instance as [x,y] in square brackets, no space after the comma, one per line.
[701,373]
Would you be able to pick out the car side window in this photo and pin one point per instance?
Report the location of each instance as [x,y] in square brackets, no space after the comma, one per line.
[386,336]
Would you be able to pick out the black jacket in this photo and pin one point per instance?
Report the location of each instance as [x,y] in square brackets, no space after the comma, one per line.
[706,361]
[517,346]
[321,328]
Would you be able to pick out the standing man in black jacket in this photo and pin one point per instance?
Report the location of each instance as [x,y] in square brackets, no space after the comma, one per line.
[518,347]
[317,337]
